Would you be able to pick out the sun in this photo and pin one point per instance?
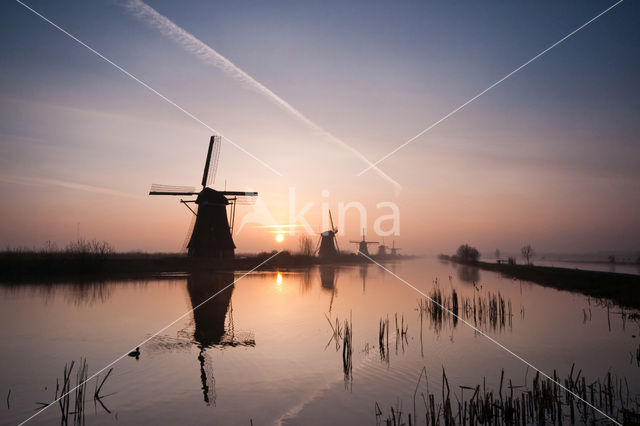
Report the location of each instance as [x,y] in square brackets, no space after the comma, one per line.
[279,238]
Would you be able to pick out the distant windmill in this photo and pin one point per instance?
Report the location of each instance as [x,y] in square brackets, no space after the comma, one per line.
[328,242]
[363,245]
[211,236]
[382,249]
[394,249]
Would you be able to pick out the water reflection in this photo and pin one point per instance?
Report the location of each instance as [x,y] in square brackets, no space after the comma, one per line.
[210,295]
[328,281]
[77,293]
[209,315]
[328,277]
[305,281]
[467,273]
[560,328]
[364,269]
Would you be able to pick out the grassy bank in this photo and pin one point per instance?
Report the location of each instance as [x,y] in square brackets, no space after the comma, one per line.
[19,266]
[623,289]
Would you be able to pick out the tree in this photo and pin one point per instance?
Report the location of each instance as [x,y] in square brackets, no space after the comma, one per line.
[305,244]
[467,254]
[528,253]
[497,253]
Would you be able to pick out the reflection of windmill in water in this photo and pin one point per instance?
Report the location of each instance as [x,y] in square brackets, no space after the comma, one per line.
[211,236]
[328,280]
[328,243]
[364,269]
[363,245]
[210,296]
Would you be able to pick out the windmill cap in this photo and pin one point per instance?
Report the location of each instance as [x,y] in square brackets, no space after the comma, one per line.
[211,196]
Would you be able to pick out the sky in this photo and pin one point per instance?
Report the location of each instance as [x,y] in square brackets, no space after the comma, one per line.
[312,93]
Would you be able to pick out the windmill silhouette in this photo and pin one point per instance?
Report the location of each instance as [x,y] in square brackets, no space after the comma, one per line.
[328,242]
[382,249]
[394,249]
[363,245]
[211,236]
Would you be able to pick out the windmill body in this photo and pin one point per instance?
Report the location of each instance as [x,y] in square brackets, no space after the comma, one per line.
[363,246]
[328,242]
[212,231]
[211,235]
[394,249]
[327,245]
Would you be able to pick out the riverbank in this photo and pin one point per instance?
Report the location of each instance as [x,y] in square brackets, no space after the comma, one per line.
[21,266]
[622,289]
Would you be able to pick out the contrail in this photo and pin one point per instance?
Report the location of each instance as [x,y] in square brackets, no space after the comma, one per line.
[26,180]
[207,54]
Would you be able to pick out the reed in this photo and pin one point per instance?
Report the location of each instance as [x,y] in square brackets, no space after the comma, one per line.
[540,401]
[337,332]
[81,377]
[74,411]
[490,311]
[401,332]
[347,350]
[383,339]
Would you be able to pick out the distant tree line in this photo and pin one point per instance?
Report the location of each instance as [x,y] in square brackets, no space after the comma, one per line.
[469,254]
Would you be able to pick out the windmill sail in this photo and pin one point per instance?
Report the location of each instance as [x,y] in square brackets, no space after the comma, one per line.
[157,189]
[211,163]
[245,200]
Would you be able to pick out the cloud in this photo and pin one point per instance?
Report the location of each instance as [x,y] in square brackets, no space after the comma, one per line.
[34,181]
[210,56]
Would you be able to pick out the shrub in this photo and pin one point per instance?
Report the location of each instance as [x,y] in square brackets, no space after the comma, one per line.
[467,254]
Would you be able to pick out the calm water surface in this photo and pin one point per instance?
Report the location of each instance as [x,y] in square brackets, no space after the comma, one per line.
[263,349]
